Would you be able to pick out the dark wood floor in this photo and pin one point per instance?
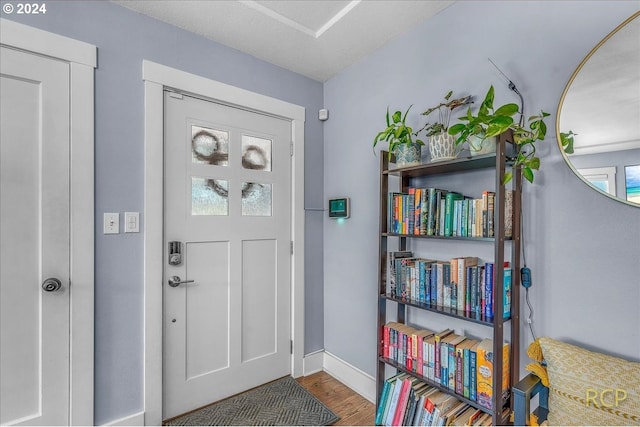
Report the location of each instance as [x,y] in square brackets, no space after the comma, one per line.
[353,409]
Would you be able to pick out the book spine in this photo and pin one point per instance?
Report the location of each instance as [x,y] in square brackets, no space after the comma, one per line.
[444,364]
[391,289]
[387,404]
[466,372]
[402,403]
[392,343]
[413,268]
[411,210]
[488,290]
[463,218]
[411,408]
[405,214]
[431,216]
[459,381]
[448,214]
[432,360]
[453,284]
[397,223]
[433,285]
[403,347]
[385,341]
[441,217]
[491,213]
[485,216]
[393,403]
[421,276]
[440,283]
[475,301]
[383,401]
[462,285]
[437,365]
[468,287]
[419,409]
[427,283]
[424,212]
[392,213]
[473,371]
[446,271]
[451,367]
[508,214]
[419,354]
[417,211]
[507,293]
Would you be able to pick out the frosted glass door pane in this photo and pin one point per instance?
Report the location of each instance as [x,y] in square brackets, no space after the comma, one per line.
[209,146]
[256,199]
[209,196]
[256,153]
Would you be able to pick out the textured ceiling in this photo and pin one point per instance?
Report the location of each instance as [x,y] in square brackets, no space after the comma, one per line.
[316,38]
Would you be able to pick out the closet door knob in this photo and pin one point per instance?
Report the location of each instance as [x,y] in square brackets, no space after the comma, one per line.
[51,285]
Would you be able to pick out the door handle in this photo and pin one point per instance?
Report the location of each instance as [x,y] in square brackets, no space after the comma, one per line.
[51,284]
[175,281]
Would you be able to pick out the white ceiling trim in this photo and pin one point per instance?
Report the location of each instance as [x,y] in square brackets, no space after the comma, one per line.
[315,38]
[338,16]
[280,18]
[296,25]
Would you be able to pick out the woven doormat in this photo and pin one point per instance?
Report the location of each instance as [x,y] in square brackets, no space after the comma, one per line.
[283,402]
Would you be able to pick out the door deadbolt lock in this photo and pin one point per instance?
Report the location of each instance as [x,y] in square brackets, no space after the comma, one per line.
[175,253]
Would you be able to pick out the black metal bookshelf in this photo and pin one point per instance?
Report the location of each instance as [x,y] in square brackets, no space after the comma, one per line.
[497,162]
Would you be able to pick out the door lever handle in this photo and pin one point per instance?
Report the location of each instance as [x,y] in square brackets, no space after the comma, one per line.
[175,281]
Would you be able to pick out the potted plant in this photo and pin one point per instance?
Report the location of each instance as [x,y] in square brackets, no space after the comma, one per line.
[441,144]
[400,139]
[490,122]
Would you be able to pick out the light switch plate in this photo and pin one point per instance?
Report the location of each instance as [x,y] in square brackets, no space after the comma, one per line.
[111,223]
[131,222]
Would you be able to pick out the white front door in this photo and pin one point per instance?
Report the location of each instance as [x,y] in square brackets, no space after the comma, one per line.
[34,218]
[227,202]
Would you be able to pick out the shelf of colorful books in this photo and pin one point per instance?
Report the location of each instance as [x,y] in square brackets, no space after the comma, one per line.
[447,311]
[440,387]
[421,236]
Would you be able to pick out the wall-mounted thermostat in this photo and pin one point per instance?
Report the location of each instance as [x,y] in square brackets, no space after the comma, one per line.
[339,208]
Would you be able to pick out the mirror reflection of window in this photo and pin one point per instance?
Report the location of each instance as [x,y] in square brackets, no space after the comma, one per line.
[632,183]
[602,178]
[601,105]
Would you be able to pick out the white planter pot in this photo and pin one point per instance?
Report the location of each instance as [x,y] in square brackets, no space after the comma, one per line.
[478,146]
[442,147]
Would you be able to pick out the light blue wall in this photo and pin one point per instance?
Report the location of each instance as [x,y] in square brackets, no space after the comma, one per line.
[124,38]
[583,248]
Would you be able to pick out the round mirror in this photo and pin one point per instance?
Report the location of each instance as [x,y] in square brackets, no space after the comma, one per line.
[601,106]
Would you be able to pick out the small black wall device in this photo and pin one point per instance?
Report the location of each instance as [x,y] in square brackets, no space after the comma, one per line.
[339,208]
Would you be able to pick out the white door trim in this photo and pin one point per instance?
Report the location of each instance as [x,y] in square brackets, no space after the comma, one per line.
[82,59]
[156,77]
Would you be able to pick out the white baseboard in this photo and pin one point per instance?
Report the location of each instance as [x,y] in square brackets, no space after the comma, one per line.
[313,362]
[129,420]
[357,380]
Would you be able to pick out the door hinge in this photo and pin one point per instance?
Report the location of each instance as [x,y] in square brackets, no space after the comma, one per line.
[291,349]
[175,95]
[291,247]
[291,148]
